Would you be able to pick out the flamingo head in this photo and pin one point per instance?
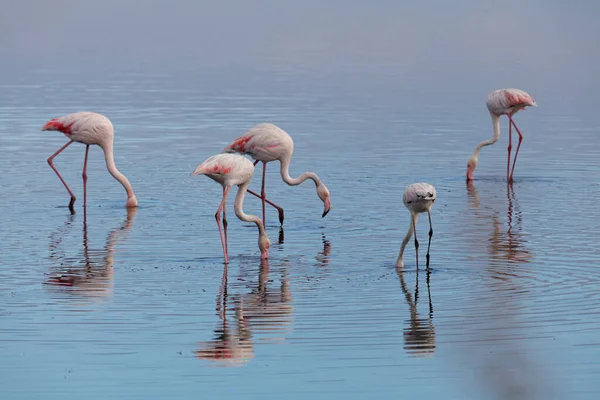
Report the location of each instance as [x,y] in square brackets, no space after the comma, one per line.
[131,202]
[471,165]
[263,245]
[53,125]
[323,194]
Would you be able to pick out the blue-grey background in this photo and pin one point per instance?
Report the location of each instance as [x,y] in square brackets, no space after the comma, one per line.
[376,95]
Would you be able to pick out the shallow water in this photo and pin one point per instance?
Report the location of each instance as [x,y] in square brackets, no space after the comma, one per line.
[138,305]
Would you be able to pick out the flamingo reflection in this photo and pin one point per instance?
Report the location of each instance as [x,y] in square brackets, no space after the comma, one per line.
[419,335]
[230,346]
[264,311]
[89,275]
[509,244]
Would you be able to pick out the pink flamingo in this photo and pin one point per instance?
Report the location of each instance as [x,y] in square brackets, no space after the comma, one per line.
[229,170]
[267,142]
[89,128]
[503,102]
[418,198]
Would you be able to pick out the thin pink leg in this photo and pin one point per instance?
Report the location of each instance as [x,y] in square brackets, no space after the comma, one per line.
[509,148]
[218,218]
[518,146]
[72,202]
[279,209]
[256,162]
[225,223]
[263,195]
[84,175]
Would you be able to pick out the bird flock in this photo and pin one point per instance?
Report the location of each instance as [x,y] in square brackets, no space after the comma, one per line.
[265,143]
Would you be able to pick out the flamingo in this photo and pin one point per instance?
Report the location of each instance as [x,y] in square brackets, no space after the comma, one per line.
[503,102]
[267,142]
[89,128]
[418,198]
[229,170]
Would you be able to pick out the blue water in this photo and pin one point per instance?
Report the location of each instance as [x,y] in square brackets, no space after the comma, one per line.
[108,303]
[105,303]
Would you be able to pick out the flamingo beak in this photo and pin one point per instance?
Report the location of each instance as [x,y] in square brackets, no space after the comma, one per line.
[327,207]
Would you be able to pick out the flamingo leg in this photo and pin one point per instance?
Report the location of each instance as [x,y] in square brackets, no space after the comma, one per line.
[263,195]
[225,223]
[518,146]
[218,218]
[51,163]
[84,175]
[509,147]
[430,235]
[279,209]
[416,241]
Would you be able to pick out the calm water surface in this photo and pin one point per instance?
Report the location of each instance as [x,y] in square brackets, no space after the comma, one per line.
[109,303]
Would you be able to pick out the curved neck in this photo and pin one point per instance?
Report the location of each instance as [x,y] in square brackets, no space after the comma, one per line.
[112,168]
[496,123]
[285,174]
[413,221]
[239,201]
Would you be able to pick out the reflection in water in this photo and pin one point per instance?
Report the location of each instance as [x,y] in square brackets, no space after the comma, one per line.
[509,245]
[231,347]
[505,365]
[323,256]
[262,311]
[419,335]
[89,275]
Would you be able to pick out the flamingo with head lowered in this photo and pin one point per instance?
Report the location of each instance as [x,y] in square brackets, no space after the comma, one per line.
[267,142]
[233,170]
[418,198]
[89,128]
[503,102]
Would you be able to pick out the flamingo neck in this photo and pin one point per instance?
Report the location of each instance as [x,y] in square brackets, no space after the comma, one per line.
[413,222]
[112,168]
[496,124]
[285,174]
[239,212]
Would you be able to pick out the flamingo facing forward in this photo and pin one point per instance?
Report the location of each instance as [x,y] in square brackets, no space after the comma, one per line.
[229,170]
[89,128]
[503,102]
[418,198]
[267,142]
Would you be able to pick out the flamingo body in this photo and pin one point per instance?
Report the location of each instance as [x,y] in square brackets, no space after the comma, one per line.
[418,198]
[266,142]
[89,128]
[233,170]
[83,127]
[503,102]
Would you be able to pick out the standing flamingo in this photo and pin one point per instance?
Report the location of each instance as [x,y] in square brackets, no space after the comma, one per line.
[418,198]
[89,128]
[229,170]
[503,102]
[267,142]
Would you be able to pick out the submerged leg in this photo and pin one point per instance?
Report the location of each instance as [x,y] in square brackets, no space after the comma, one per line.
[518,146]
[84,174]
[430,235]
[509,148]
[218,218]
[61,178]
